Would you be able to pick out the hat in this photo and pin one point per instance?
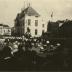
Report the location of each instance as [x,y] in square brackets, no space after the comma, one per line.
[58,44]
[47,42]
[15,46]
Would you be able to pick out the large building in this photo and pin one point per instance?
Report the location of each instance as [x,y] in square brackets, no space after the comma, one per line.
[29,21]
[5,30]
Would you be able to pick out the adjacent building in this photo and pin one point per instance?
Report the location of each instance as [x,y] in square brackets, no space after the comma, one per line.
[54,26]
[5,30]
[66,29]
[29,21]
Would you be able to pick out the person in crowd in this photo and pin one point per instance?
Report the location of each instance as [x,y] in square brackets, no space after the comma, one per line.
[27,44]
[28,57]
[7,50]
[6,55]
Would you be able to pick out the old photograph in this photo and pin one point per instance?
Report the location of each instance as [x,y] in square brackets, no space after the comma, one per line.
[35,35]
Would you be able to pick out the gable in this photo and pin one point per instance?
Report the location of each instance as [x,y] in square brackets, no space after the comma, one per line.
[30,12]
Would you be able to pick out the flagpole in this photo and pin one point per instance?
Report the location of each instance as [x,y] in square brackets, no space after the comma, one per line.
[52,16]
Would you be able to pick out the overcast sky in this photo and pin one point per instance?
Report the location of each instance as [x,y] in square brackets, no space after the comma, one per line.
[62,9]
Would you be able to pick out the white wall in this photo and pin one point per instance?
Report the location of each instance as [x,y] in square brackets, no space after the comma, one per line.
[33,27]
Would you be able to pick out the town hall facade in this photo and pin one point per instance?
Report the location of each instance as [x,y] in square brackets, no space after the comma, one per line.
[29,21]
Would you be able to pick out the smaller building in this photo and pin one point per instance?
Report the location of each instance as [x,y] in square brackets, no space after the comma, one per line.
[5,30]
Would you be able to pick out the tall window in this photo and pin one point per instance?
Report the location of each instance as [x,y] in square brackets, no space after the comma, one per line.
[36,31]
[36,22]
[43,25]
[29,21]
[28,30]
[42,32]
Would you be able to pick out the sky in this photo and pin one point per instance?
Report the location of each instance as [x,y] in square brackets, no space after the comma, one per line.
[62,9]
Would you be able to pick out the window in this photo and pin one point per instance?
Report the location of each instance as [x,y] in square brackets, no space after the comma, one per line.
[36,16]
[8,30]
[36,31]
[4,31]
[36,22]
[42,31]
[28,30]
[43,25]
[29,22]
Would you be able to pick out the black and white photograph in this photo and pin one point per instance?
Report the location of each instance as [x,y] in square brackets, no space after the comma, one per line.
[35,35]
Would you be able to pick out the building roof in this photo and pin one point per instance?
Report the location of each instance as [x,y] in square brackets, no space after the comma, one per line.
[5,26]
[1,24]
[30,11]
[60,21]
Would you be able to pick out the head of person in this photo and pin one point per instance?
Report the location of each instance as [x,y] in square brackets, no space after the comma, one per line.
[15,46]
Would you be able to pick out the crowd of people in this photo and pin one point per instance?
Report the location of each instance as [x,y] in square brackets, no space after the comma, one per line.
[30,53]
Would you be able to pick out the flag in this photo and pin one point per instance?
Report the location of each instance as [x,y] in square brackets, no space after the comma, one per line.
[52,15]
